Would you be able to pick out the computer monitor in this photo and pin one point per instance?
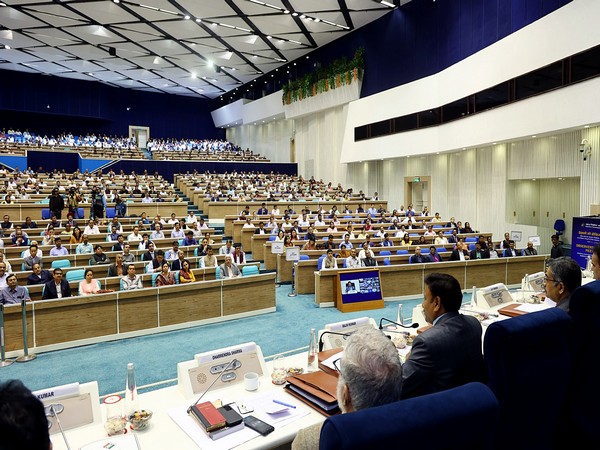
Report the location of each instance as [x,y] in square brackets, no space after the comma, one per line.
[359,289]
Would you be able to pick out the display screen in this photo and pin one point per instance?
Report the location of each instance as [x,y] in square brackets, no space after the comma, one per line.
[360,286]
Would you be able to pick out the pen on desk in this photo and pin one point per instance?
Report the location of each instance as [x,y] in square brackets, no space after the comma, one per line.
[284,404]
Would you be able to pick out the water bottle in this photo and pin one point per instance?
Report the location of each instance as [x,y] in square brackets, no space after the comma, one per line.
[131,393]
[400,317]
[313,363]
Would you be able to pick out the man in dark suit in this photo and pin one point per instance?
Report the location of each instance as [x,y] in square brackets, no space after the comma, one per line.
[38,276]
[459,253]
[449,353]
[479,252]
[56,288]
[511,250]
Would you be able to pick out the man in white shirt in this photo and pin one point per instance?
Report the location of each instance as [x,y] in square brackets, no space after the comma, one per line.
[191,218]
[177,232]
[227,249]
[352,262]
[135,236]
[157,233]
[3,276]
[91,228]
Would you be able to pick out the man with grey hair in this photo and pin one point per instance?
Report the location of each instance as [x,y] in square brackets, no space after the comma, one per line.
[563,276]
[370,374]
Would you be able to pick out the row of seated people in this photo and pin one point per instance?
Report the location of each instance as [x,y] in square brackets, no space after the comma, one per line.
[68,139]
[351,257]
[18,235]
[166,273]
[251,185]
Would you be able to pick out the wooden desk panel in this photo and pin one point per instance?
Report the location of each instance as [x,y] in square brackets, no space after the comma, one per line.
[189,302]
[138,309]
[485,272]
[75,318]
[247,294]
[520,265]
[402,280]
[13,327]
[454,268]
[284,269]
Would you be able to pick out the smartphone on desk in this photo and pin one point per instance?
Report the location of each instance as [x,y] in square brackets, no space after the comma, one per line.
[258,425]
[232,418]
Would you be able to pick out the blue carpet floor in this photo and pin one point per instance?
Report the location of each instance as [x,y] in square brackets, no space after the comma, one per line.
[156,356]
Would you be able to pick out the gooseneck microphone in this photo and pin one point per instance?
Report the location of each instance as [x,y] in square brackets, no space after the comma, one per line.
[227,367]
[321,343]
[414,325]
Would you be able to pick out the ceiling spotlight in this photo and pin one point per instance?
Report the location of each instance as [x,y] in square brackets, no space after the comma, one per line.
[187,17]
[317,19]
[198,20]
[286,11]
[295,14]
[7,47]
[269,37]
[117,1]
[388,4]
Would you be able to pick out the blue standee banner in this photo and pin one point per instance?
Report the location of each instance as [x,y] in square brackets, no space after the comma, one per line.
[586,234]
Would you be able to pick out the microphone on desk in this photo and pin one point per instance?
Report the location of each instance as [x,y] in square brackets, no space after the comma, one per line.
[227,367]
[414,324]
[321,343]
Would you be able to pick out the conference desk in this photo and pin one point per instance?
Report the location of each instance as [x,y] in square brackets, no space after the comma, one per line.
[408,279]
[163,433]
[73,321]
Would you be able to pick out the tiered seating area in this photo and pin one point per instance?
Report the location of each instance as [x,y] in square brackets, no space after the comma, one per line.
[200,149]
[89,146]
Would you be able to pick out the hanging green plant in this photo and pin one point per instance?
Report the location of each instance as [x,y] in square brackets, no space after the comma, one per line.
[340,72]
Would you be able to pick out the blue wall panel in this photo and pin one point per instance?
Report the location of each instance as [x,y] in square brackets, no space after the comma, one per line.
[91,164]
[14,161]
[49,161]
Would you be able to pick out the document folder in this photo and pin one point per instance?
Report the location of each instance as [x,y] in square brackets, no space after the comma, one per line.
[316,389]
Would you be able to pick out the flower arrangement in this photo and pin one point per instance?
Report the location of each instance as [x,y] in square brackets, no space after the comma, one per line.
[339,73]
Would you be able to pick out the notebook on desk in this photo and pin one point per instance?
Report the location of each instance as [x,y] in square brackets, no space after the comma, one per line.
[316,389]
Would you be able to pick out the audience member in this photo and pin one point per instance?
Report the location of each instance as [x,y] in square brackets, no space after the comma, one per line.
[417,257]
[58,249]
[23,422]
[13,293]
[57,287]
[329,262]
[185,273]
[563,276]
[478,252]
[556,251]
[530,250]
[369,375]
[208,260]
[459,253]
[434,255]
[228,269]
[511,250]
[32,258]
[448,354]
[84,247]
[131,281]
[88,285]
[117,269]
[38,276]
[165,277]
[596,262]
[99,257]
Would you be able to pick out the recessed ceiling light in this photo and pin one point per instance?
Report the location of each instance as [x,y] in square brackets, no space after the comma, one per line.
[295,14]
[187,17]
[198,20]
[317,19]
[533,136]
[117,1]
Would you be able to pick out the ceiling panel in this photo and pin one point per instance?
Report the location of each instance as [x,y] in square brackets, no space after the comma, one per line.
[154,42]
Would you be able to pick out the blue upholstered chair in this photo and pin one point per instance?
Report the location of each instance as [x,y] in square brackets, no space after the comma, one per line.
[385,253]
[320,261]
[45,213]
[462,417]
[528,367]
[75,275]
[250,270]
[581,414]
[402,251]
[110,213]
[60,263]
[471,239]
[386,261]
[425,251]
